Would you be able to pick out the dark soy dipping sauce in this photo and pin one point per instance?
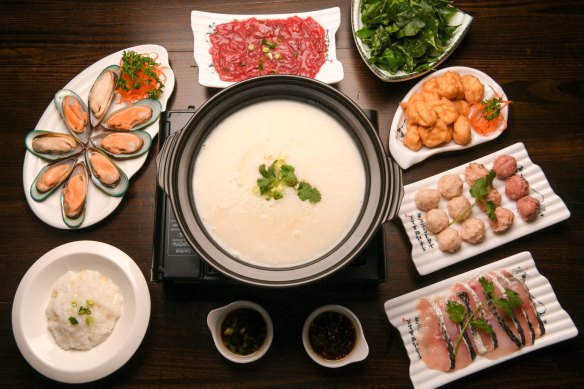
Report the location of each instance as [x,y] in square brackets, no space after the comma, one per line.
[243,331]
[332,335]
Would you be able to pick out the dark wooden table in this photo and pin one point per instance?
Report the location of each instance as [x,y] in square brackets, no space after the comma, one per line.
[533,49]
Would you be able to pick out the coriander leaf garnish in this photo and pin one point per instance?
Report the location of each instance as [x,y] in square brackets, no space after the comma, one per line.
[307,192]
[492,108]
[279,176]
[479,191]
[507,304]
[73,321]
[458,314]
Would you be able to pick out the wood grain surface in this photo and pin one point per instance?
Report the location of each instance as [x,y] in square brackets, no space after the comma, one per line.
[533,49]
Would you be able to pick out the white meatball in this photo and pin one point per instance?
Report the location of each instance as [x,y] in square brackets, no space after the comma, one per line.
[473,230]
[449,240]
[427,199]
[436,220]
[459,208]
[450,186]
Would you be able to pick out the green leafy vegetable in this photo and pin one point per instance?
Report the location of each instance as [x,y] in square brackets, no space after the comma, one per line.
[404,34]
[279,176]
[73,321]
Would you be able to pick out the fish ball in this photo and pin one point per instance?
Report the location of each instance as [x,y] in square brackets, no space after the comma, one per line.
[450,186]
[473,230]
[427,199]
[449,240]
[436,220]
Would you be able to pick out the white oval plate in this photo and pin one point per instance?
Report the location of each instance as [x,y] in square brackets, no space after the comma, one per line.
[460,19]
[402,314]
[426,255]
[29,321]
[203,24]
[99,205]
[406,157]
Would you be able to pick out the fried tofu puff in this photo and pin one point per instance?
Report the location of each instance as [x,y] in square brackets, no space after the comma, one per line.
[461,133]
[438,113]
[473,89]
[412,138]
[437,135]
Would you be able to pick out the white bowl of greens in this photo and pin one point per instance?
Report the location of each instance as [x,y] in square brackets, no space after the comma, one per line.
[399,41]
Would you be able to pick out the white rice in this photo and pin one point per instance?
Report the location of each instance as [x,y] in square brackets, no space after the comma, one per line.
[88,290]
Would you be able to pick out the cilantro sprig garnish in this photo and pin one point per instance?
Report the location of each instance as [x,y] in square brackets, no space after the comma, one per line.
[492,108]
[479,191]
[279,176]
[140,73]
[459,314]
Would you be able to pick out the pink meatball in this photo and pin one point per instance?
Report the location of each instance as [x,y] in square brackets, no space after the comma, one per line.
[505,166]
[474,171]
[504,220]
[528,208]
[516,187]
[449,240]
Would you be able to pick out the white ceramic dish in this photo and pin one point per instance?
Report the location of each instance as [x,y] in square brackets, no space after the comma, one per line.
[428,257]
[203,23]
[359,353]
[29,321]
[99,205]
[215,319]
[406,157]
[461,19]
[401,312]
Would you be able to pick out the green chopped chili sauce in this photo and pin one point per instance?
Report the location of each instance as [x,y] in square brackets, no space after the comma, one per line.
[243,331]
[332,335]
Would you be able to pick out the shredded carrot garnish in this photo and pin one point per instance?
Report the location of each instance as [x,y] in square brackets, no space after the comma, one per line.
[487,116]
[140,77]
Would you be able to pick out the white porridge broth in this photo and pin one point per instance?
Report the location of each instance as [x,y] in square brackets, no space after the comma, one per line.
[83,309]
[286,231]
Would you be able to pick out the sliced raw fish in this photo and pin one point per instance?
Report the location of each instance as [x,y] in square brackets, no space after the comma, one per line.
[507,340]
[436,347]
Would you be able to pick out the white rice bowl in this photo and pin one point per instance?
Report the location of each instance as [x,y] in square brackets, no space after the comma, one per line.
[89,289]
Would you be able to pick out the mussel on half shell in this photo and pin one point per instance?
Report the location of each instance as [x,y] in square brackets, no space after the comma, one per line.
[122,145]
[74,196]
[102,93]
[105,173]
[50,177]
[52,146]
[133,117]
[75,114]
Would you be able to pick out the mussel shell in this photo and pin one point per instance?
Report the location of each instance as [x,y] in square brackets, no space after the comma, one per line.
[154,105]
[108,93]
[116,190]
[51,156]
[75,220]
[60,97]
[146,138]
[36,194]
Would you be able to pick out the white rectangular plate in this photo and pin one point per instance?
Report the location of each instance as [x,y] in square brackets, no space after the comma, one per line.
[402,314]
[428,257]
[203,24]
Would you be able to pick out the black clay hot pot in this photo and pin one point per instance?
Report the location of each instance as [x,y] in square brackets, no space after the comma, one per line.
[177,157]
